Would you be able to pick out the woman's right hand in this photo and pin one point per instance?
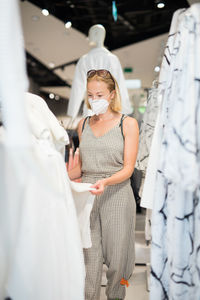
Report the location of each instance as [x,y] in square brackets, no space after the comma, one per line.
[99,187]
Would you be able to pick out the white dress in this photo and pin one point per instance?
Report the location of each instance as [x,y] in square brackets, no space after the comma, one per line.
[40,245]
[97,58]
[47,259]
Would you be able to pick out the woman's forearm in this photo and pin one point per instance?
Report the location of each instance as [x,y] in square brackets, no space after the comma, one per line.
[75,173]
[120,176]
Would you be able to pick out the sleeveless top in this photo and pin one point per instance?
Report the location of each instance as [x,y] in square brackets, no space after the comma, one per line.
[104,155]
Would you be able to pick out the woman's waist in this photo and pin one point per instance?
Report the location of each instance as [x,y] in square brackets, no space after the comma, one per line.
[97,175]
[93,177]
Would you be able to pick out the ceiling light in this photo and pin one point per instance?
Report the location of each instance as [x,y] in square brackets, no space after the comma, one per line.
[68,24]
[45,12]
[160,5]
[57,98]
[157,69]
[51,96]
[51,65]
[133,83]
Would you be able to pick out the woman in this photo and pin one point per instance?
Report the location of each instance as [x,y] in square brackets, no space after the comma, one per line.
[108,149]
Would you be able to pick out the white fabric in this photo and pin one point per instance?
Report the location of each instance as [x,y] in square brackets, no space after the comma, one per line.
[175,261]
[47,260]
[182,133]
[43,122]
[97,58]
[13,80]
[48,132]
[84,203]
[13,83]
[147,198]
[147,129]
[40,246]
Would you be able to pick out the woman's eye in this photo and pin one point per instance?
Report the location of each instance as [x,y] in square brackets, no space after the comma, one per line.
[100,96]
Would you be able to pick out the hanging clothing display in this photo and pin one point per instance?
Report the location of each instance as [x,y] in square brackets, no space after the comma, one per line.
[40,245]
[146,134]
[47,254]
[16,148]
[176,209]
[147,128]
[147,198]
[48,133]
[97,58]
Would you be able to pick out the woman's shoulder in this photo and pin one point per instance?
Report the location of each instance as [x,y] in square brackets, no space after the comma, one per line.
[81,125]
[129,120]
[130,124]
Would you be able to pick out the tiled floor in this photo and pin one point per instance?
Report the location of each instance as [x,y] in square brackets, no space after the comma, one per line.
[137,289]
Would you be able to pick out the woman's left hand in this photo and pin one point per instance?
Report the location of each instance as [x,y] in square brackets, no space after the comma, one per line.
[99,186]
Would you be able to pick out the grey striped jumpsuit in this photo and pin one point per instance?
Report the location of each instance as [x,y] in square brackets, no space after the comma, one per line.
[112,217]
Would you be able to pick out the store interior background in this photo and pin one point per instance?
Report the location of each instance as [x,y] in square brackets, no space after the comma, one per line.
[54,45]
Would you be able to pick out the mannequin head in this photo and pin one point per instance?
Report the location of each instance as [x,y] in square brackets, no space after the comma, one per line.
[97,35]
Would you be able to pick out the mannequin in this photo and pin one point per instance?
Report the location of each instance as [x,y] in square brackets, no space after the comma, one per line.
[97,58]
[96,35]
[193,1]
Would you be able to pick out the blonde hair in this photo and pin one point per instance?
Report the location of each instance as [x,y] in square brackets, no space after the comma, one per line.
[112,85]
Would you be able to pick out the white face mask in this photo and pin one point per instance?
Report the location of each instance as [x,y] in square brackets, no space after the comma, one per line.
[99,106]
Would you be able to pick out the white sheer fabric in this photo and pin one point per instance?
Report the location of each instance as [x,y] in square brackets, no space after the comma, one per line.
[40,246]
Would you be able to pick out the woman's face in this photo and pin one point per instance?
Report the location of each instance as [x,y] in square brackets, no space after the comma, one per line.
[99,90]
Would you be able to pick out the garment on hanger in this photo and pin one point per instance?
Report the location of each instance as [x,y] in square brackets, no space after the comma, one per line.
[96,58]
[37,261]
[147,128]
[176,209]
[17,144]
[147,198]
[47,253]
[51,136]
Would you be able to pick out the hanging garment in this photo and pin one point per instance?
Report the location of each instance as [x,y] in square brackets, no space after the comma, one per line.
[37,261]
[47,253]
[48,132]
[147,129]
[147,198]
[112,217]
[43,123]
[17,146]
[175,220]
[146,134]
[97,58]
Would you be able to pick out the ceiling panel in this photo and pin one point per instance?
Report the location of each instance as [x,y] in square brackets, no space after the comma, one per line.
[137,37]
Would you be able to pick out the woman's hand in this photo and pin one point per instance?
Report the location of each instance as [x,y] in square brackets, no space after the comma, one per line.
[99,186]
